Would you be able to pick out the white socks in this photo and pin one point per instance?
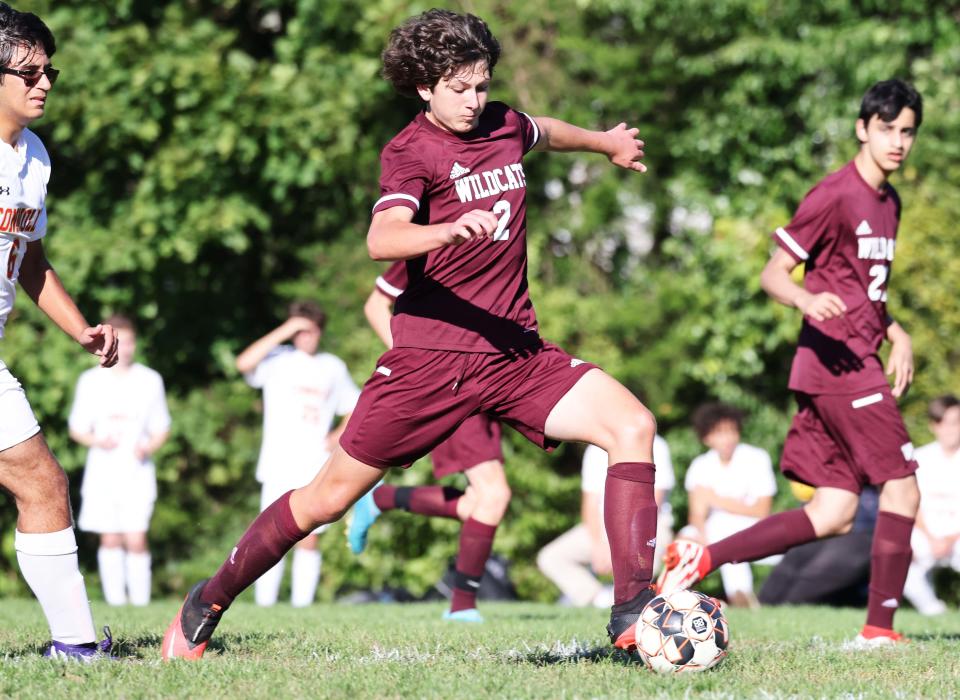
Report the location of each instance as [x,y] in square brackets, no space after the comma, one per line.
[306,575]
[267,587]
[110,561]
[48,562]
[138,577]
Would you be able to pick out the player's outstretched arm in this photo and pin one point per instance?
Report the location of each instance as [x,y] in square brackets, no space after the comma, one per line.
[41,282]
[619,144]
[776,281]
[257,351]
[900,362]
[394,236]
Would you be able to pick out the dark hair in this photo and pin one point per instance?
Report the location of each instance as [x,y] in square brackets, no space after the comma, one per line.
[888,98]
[304,308]
[709,415]
[939,406]
[22,29]
[434,45]
[121,322]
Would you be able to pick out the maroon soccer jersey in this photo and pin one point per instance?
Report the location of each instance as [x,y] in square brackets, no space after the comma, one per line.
[845,232]
[471,297]
[393,281]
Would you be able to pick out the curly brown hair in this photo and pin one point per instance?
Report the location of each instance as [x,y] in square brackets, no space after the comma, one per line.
[709,415]
[434,45]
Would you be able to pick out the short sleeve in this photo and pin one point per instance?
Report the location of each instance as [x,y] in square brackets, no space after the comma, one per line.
[529,130]
[404,177]
[347,392]
[267,368]
[83,411]
[158,415]
[695,474]
[809,226]
[393,282]
[664,479]
[593,473]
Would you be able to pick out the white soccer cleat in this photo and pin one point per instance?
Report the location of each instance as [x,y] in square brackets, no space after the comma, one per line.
[685,563]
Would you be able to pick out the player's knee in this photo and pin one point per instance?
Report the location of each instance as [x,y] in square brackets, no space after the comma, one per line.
[637,427]
[497,496]
[47,486]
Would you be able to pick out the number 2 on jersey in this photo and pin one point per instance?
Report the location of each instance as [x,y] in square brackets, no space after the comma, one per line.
[875,291]
[502,210]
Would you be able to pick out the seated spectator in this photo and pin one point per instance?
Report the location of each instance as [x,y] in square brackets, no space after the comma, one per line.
[831,571]
[569,559]
[936,535]
[730,487]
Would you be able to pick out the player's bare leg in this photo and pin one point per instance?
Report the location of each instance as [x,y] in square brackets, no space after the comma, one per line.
[47,547]
[601,411]
[340,482]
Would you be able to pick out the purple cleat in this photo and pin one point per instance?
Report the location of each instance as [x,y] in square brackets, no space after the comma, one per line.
[83,653]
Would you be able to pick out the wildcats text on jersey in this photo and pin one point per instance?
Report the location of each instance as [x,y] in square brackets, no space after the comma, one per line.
[490,183]
[876,248]
[18,220]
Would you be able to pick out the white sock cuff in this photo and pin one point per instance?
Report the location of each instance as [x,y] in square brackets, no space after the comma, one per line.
[138,557]
[46,544]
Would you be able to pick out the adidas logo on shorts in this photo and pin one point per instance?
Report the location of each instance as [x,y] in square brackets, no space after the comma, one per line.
[458,171]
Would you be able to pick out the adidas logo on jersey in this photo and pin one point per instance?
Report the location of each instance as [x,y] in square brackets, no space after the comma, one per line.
[864,229]
[458,171]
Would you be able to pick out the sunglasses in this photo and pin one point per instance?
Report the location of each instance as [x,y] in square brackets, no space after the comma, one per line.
[32,77]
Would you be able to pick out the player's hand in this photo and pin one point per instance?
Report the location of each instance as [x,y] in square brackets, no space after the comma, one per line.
[141,452]
[822,306]
[107,443]
[100,340]
[295,324]
[625,149]
[940,547]
[478,223]
[900,365]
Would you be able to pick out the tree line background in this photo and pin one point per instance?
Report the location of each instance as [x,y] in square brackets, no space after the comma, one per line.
[213,160]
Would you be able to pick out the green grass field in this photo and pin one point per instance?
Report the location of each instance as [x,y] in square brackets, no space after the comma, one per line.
[522,651]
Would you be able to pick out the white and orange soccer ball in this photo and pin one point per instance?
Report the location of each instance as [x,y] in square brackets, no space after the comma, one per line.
[682,631]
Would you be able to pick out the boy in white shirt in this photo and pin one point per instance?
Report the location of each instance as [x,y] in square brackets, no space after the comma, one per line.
[45,543]
[303,391]
[569,559]
[730,487]
[121,414]
[936,535]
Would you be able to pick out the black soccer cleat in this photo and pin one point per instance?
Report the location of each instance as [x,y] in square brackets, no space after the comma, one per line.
[623,620]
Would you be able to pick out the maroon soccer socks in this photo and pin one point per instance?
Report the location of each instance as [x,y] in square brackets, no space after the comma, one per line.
[264,543]
[772,535]
[434,501]
[630,519]
[889,561]
[476,542]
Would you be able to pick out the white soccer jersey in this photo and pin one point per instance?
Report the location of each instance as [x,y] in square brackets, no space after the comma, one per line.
[938,477]
[24,173]
[301,395]
[747,478]
[129,407]
[594,471]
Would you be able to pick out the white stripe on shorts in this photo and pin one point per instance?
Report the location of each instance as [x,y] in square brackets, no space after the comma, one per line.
[385,371]
[867,400]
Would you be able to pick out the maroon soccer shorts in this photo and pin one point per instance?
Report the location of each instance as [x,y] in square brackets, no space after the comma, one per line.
[477,440]
[416,399]
[847,441]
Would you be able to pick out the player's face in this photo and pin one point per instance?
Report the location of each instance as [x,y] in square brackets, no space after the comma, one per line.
[947,431]
[21,102]
[456,102]
[126,347]
[724,438]
[888,143]
[308,340]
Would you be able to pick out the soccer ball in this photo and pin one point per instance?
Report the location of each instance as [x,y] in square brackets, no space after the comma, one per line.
[682,631]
